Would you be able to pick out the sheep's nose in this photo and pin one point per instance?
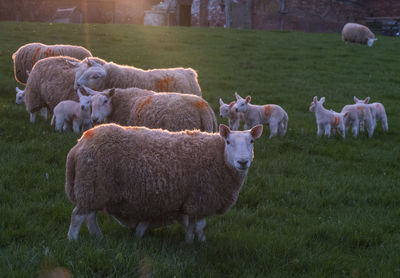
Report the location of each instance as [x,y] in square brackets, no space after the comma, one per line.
[243,163]
[83,107]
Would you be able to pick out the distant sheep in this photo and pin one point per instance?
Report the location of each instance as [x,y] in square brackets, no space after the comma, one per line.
[145,177]
[354,32]
[100,76]
[134,106]
[327,120]
[356,114]
[27,55]
[378,113]
[77,113]
[20,98]
[270,114]
[227,111]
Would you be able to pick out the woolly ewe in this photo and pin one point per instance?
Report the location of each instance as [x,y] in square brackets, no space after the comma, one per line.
[354,32]
[102,75]
[151,177]
[270,114]
[227,111]
[377,111]
[327,120]
[27,55]
[134,106]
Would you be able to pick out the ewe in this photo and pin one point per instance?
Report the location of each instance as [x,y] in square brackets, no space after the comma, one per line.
[228,111]
[377,111]
[354,32]
[151,177]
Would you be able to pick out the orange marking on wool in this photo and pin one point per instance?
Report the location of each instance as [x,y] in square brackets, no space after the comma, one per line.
[190,133]
[267,110]
[201,104]
[35,56]
[143,104]
[361,108]
[336,120]
[131,127]
[49,52]
[162,85]
[88,133]
[379,107]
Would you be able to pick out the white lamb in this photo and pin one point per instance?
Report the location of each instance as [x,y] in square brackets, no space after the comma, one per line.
[227,111]
[327,120]
[270,114]
[77,113]
[354,32]
[356,114]
[377,110]
[20,98]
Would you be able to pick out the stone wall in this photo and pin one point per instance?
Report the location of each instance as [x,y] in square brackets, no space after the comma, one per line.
[383,8]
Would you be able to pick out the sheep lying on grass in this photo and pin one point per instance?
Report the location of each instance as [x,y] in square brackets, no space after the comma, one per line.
[354,32]
[50,82]
[27,55]
[356,114]
[135,106]
[77,113]
[20,98]
[327,120]
[227,111]
[270,114]
[377,111]
[143,176]
[103,75]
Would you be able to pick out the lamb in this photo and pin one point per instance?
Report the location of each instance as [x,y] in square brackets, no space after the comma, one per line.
[50,82]
[327,120]
[100,76]
[68,111]
[359,113]
[27,55]
[20,98]
[377,111]
[354,32]
[227,111]
[270,114]
[134,106]
[145,177]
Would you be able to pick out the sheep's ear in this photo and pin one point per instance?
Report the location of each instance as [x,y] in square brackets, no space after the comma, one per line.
[256,131]
[224,131]
[73,63]
[237,96]
[221,102]
[355,99]
[315,99]
[322,100]
[231,104]
[79,92]
[366,100]
[111,92]
[88,90]
[19,90]
[248,99]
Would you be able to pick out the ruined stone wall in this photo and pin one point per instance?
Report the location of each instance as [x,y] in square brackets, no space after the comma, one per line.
[386,8]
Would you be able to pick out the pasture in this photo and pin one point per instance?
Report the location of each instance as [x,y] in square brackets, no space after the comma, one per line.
[311,207]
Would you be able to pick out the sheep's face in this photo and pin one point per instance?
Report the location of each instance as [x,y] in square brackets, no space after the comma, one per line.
[241,103]
[20,96]
[93,77]
[101,106]
[224,110]
[371,41]
[312,106]
[316,102]
[239,146]
[85,102]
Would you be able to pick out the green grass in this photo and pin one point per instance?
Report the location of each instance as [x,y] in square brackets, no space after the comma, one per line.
[311,207]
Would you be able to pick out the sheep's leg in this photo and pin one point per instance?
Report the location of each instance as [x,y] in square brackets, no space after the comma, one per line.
[75,226]
[319,130]
[43,113]
[76,126]
[327,130]
[235,125]
[141,228]
[362,126]
[92,225]
[190,231]
[200,227]
[33,117]
[273,127]
[60,124]
[355,129]
[384,121]
[370,128]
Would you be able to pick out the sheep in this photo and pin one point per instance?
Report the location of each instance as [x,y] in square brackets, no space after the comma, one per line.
[100,76]
[20,98]
[27,55]
[134,106]
[356,114]
[50,82]
[68,111]
[327,120]
[377,111]
[227,111]
[354,32]
[270,114]
[150,177]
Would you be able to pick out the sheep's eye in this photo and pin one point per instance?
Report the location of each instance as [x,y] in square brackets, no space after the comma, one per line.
[95,77]
[228,142]
[105,101]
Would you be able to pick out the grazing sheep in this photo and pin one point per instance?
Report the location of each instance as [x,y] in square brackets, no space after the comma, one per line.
[145,177]
[20,98]
[356,114]
[27,55]
[377,111]
[78,113]
[100,76]
[354,32]
[227,111]
[327,120]
[270,114]
[134,106]
[50,82]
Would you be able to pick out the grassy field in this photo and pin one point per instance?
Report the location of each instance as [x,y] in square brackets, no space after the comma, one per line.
[311,207]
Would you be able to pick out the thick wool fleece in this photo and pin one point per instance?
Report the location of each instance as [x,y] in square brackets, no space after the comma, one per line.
[27,55]
[50,82]
[171,111]
[140,174]
[357,33]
